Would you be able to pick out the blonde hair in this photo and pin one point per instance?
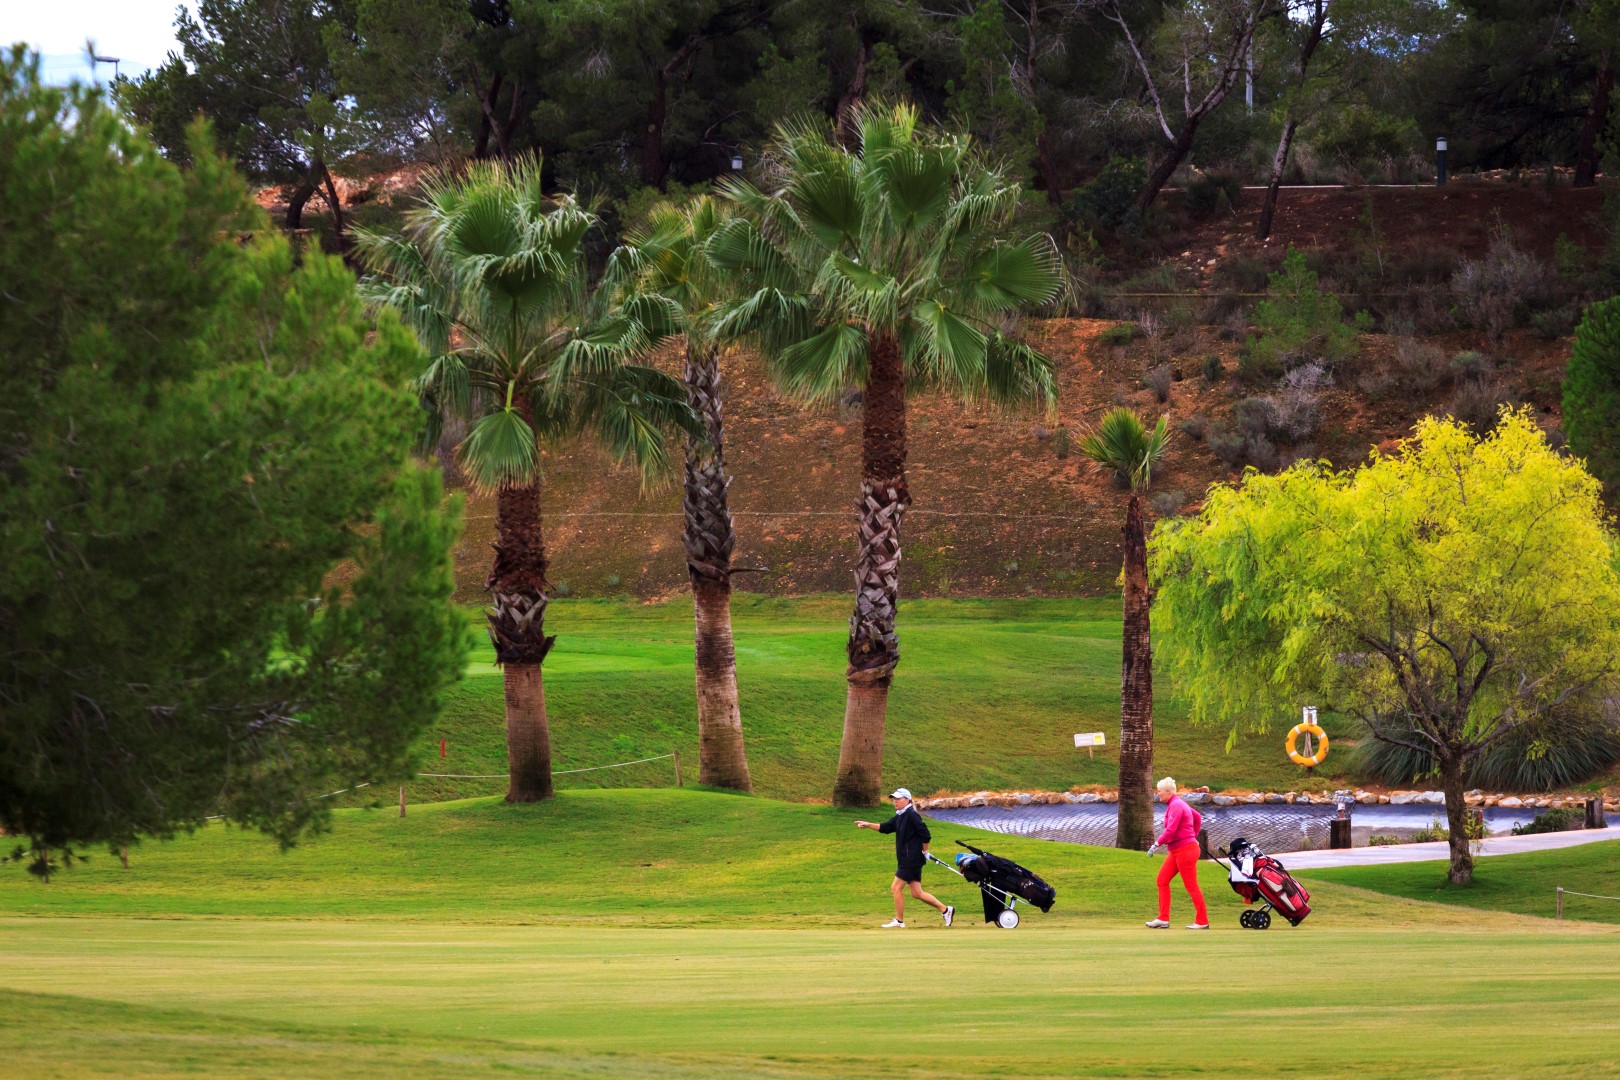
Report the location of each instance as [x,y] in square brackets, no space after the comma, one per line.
[1167,784]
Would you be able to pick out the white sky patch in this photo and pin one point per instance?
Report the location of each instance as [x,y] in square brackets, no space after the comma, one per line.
[139,32]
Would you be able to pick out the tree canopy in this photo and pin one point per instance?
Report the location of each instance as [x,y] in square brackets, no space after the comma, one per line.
[620,95]
[1592,392]
[197,437]
[1447,594]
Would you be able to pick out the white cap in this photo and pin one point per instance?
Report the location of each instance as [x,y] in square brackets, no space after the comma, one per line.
[901,793]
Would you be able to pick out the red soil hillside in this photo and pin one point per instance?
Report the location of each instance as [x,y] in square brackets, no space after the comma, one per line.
[1003,506]
[1000,508]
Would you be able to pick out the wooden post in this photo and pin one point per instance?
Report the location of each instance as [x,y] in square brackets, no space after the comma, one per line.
[123,856]
[402,800]
[1339,833]
[1203,845]
[678,769]
[1594,814]
[1560,901]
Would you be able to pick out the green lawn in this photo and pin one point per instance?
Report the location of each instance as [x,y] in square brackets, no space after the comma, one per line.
[989,694]
[1527,883]
[693,934]
[658,857]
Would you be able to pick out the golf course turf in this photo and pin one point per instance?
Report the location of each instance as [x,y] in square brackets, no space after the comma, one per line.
[989,694]
[629,928]
[691,933]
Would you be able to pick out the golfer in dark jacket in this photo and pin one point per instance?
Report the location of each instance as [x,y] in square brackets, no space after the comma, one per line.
[911,839]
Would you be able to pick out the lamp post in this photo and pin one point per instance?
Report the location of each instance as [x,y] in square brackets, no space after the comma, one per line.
[113,60]
[1440,162]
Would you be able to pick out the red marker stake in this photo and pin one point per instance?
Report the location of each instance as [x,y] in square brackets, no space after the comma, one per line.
[441,748]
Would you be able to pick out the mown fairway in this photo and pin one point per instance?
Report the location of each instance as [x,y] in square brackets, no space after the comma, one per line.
[668,933]
[323,998]
[989,694]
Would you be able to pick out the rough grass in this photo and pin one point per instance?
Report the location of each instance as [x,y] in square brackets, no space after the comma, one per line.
[989,694]
[693,934]
[1526,883]
[660,857]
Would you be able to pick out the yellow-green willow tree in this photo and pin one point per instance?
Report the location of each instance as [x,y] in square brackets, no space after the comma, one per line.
[1446,594]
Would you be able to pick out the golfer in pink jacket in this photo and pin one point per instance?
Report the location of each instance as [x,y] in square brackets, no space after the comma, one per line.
[1180,842]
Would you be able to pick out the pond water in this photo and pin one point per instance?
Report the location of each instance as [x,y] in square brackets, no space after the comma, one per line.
[1275,827]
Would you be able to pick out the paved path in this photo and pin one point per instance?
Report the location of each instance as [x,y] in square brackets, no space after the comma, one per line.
[1396,853]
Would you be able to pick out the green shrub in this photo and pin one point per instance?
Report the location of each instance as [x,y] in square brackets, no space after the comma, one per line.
[1158,379]
[1121,333]
[1062,442]
[1554,323]
[1213,193]
[1479,404]
[1556,820]
[1213,368]
[1242,273]
[1108,200]
[1472,365]
[1570,750]
[1493,294]
[1430,833]
[1299,322]
[1592,393]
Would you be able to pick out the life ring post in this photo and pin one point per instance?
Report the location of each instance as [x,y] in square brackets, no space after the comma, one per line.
[1316,741]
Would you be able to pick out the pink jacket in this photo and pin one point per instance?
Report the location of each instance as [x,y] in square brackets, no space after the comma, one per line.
[1181,824]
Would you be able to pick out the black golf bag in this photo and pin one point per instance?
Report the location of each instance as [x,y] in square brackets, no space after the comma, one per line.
[996,877]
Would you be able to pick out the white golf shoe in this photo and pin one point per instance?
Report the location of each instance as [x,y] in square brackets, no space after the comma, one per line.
[950,914]
[894,924]
[1156,924]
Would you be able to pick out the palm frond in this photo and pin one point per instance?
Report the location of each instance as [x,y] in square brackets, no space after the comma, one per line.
[1022,275]
[820,367]
[1016,372]
[632,409]
[948,350]
[1122,445]
[499,451]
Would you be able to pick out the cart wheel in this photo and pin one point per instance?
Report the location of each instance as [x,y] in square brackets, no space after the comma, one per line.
[1007,919]
[1246,920]
[1262,920]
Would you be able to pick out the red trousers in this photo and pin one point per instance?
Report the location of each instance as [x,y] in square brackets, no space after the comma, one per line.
[1182,859]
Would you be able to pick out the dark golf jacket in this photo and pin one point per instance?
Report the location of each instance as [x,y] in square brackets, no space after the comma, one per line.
[910,834]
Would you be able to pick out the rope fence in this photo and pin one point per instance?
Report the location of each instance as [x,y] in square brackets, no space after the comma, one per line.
[1563,892]
[554,772]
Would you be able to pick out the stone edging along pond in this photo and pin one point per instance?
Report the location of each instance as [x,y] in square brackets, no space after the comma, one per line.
[1203,797]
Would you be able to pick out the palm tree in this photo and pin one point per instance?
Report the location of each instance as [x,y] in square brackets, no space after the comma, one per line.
[878,266]
[490,271]
[1124,447]
[667,258]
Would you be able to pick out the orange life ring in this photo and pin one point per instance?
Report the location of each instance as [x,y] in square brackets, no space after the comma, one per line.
[1321,745]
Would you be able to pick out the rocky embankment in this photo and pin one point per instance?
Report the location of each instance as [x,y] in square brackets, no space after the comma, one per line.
[1204,797]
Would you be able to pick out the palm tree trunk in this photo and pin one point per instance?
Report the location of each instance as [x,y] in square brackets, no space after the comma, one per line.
[518,585]
[722,760]
[1136,693]
[874,647]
